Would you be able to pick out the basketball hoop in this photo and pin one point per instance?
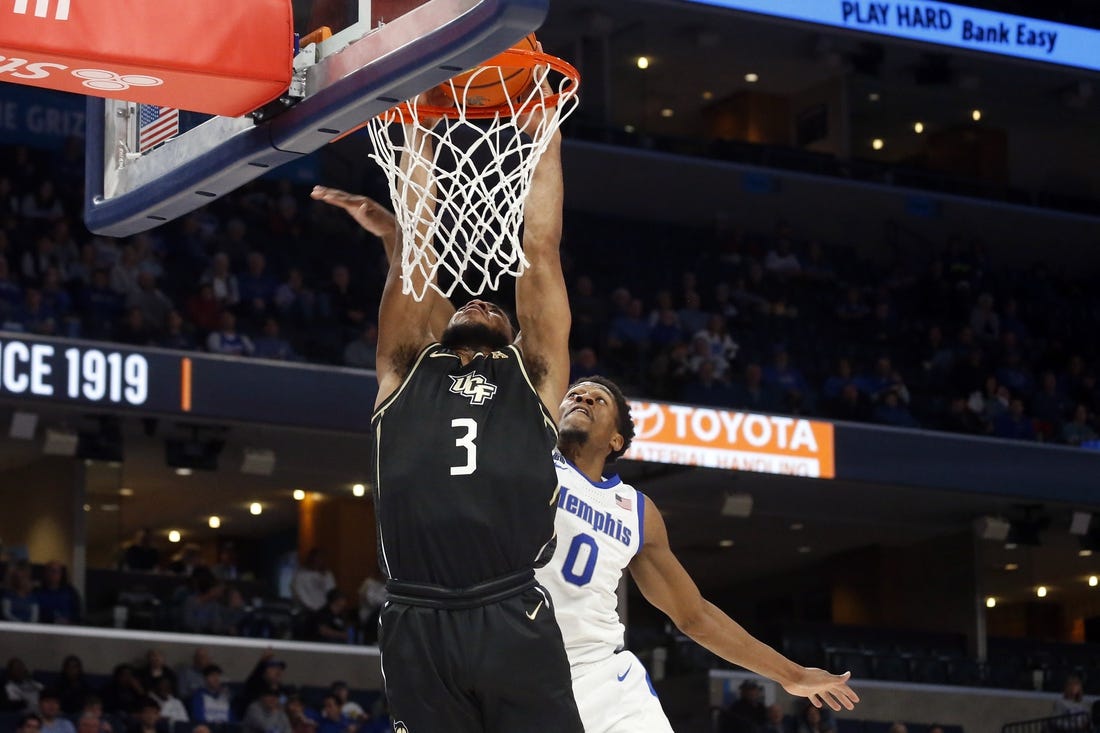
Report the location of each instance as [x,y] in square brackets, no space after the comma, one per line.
[464,221]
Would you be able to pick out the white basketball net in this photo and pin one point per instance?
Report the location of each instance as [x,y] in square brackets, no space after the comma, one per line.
[458,189]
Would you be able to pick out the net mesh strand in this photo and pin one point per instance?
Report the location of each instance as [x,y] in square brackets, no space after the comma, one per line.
[462,226]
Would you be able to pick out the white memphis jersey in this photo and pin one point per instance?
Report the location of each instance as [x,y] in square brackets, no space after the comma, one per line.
[599,530]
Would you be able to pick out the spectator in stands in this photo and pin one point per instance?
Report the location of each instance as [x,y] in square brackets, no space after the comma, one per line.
[147,718]
[222,281]
[1071,708]
[343,303]
[329,623]
[589,314]
[753,394]
[781,260]
[227,341]
[210,703]
[21,691]
[42,204]
[58,602]
[153,304]
[29,723]
[140,555]
[313,581]
[18,602]
[961,419]
[101,306]
[747,713]
[850,405]
[935,357]
[171,707]
[774,720]
[708,388]
[891,411]
[186,560]
[11,294]
[266,676]
[93,709]
[202,608]
[226,567]
[361,352]
[33,316]
[134,329]
[124,693]
[266,715]
[155,670]
[271,345]
[257,287]
[295,302]
[49,707]
[72,685]
[1015,424]
[348,707]
[853,309]
[296,714]
[720,344]
[811,721]
[1078,430]
[332,719]
[935,728]
[92,723]
[124,274]
[1048,403]
[175,334]
[586,361]
[692,316]
[628,339]
[191,677]
[785,378]
[984,320]
[897,728]
[204,310]
[665,329]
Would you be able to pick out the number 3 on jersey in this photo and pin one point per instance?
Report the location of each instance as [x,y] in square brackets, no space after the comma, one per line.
[466,441]
[569,569]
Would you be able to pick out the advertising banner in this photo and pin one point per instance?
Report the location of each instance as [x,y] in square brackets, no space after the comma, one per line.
[738,441]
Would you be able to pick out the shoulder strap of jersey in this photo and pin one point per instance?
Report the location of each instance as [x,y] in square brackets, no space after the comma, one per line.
[550,419]
[424,353]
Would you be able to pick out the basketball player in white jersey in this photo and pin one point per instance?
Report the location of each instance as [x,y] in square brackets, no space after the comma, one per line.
[604,526]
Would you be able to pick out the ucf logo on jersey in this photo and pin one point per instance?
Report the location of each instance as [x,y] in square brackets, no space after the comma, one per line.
[479,389]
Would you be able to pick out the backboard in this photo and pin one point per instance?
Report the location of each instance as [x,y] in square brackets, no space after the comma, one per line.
[380,52]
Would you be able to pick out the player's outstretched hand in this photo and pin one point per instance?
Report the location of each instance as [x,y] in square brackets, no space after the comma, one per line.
[536,116]
[823,687]
[367,212]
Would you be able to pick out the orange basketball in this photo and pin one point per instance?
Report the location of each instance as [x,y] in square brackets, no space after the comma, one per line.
[492,88]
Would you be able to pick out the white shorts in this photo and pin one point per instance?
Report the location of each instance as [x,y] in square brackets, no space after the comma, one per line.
[615,696]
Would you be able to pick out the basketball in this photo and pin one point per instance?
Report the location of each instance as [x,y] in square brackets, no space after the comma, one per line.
[486,87]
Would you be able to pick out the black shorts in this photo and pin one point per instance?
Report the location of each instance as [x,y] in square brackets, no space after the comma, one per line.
[493,668]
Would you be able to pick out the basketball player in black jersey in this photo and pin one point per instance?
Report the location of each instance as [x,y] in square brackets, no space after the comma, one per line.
[465,490]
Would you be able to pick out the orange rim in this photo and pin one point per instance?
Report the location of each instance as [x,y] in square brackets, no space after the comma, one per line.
[525,58]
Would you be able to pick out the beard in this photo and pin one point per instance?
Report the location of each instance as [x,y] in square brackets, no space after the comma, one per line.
[572,436]
[469,335]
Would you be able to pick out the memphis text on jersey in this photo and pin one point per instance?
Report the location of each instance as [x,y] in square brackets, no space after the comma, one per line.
[604,522]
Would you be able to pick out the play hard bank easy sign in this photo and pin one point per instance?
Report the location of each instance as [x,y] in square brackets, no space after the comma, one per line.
[738,441]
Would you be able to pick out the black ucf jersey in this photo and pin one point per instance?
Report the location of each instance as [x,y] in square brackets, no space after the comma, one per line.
[465,484]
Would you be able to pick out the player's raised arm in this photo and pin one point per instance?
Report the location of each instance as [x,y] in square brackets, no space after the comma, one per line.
[380,222]
[542,305]
[665,584]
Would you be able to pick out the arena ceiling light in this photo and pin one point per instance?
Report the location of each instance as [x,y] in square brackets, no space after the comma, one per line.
[752,77]
[359,490]
[299,495]
[642,62]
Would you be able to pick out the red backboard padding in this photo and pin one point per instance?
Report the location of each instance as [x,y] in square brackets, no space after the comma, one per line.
[224,57]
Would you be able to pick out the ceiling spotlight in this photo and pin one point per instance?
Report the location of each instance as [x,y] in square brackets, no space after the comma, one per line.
[174,536]
[183,471]
[1041,591]
[918,127]
[125,492]
[1092,581]
[752,78]
[87,507]
[1084,553]
[873,97]
[708,95]
[1010,545]
[878,143]
[299,495]
[256,508]
[797,526]
[976,115]
[991,602]
[1012,566]
[642,62]
[667,112]
[358,490]
[628,129]
[215,522]
[725,543]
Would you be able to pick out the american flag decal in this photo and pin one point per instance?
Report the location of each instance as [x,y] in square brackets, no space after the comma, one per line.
[156,124]
[624,502]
